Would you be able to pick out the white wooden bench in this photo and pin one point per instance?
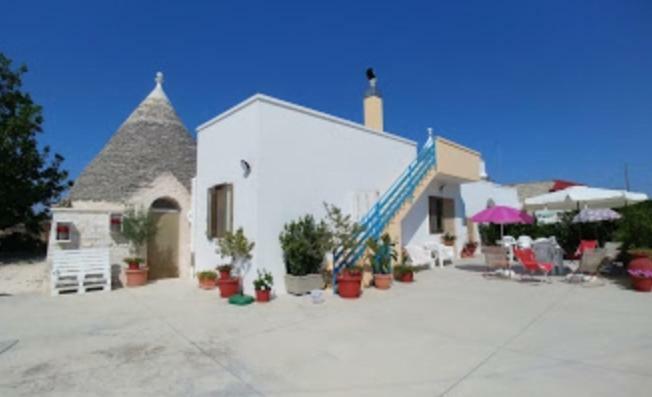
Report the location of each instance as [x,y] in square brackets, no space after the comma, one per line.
[80,270]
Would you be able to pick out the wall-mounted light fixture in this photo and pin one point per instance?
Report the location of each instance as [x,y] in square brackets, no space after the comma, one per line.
[246,167]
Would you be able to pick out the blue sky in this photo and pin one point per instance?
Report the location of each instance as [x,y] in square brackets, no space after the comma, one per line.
[549,89]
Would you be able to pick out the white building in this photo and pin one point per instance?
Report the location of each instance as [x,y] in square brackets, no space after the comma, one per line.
[266,162]
[260,165]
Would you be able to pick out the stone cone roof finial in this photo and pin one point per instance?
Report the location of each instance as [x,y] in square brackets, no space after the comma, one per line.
[159,78]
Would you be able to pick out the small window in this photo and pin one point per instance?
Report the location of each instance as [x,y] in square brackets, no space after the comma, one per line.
[436,214]
[220,210]
[115,222]
[63,231]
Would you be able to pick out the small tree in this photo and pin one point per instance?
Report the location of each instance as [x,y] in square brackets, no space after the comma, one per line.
[30,179]
[236,246]
[138,227]
[343,230]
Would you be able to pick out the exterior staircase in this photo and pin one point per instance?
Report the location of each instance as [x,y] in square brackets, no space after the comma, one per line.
[390,209]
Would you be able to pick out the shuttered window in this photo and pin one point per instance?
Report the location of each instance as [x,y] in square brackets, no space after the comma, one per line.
[441,215]
[220,210]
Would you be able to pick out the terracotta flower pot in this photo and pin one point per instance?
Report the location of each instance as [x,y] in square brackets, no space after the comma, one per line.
[643,264]
[405,277]
[228,287]
[349,285]
[382,281]
[136,277]
[224,274]
[263,295]
[642,284]
[207,283]
[134,265]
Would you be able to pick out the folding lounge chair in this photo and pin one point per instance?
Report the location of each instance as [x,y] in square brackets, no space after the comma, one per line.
[592,261]
[612,250]
[530,263]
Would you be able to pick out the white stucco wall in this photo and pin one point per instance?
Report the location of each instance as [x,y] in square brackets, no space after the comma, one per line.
[220,147]
[299,158]
[415,227]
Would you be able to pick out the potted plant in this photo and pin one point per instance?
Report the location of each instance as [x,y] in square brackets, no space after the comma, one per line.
[448,239]
[207,279]
[133,263]
[304,243]
[380,254]
[349,282]
[263,285]
[344,234]
[137,228]
[404,273]
[469,249]
[238,248]
[640,269]
[225,271]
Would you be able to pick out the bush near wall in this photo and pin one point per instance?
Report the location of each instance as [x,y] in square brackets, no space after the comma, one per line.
[635,227]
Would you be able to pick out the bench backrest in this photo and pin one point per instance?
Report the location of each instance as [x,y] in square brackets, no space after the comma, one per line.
[85,261]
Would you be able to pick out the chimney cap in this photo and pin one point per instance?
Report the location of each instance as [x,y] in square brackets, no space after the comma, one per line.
[372,90]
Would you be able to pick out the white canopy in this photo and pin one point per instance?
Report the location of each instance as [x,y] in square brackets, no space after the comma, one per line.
[578,197]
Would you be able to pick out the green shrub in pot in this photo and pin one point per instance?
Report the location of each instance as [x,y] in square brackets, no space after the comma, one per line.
[305,243]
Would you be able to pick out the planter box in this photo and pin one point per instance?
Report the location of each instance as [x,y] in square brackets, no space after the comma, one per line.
[300,285]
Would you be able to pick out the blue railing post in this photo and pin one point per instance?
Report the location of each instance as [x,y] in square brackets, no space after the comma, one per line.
[379,215]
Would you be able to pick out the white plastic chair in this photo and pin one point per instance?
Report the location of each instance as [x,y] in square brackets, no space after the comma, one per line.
[419,256]
[507,241]
[440,252]
[524,242]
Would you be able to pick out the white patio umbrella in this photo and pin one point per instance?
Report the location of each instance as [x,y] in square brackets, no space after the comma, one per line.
[588,215]
[578,197]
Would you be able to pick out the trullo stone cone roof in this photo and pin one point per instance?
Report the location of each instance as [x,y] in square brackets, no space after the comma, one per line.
[153,140]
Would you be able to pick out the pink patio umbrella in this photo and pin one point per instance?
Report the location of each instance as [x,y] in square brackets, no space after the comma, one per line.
[500,214]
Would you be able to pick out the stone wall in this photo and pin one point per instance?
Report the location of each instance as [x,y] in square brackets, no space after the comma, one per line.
[90,222]
[89,229]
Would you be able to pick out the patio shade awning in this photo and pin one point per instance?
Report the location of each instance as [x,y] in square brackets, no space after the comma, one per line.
[583,197]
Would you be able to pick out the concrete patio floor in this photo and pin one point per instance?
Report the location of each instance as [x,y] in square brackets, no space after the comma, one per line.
[451,333]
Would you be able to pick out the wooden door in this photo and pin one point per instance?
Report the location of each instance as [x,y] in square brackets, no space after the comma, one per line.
[163,248]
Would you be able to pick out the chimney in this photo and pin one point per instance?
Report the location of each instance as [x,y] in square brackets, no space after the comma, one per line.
[373,104]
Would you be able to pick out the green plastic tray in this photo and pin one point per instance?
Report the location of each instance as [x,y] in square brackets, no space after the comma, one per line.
[241,300]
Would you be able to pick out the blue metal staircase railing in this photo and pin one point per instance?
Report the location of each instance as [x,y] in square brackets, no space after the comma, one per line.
[382,212]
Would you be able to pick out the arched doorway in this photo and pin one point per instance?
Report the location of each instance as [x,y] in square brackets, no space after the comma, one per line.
[163,248]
